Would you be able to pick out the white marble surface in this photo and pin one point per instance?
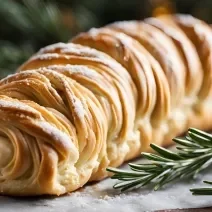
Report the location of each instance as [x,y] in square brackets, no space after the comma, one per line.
[102,197]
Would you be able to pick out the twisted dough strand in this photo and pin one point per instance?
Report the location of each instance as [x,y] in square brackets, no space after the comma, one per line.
[74,109]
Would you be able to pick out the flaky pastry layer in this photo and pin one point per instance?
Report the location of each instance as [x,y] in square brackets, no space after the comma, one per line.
[74,109]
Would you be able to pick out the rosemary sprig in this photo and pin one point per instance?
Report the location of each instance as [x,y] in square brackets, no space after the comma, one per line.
[202,191]
[194,153]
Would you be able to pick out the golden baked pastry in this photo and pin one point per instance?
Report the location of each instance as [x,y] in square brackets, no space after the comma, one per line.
[74,109]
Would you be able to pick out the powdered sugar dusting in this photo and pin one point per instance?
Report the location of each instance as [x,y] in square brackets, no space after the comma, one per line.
[83,70]
[57,134]
[94,32]
[9,77]
[75,69]
[123,24]
[78,108]
[85,51]
[10,103]
[69,48]
[46,56]
[5,79]
[52,47]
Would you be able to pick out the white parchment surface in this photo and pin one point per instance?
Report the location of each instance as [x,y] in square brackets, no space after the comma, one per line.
[102,197]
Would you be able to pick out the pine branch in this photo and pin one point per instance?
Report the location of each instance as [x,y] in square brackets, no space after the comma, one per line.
[30,24]
[194,153]
[43,21]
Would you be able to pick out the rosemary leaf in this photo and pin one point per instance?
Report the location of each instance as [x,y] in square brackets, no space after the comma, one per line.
[193,154]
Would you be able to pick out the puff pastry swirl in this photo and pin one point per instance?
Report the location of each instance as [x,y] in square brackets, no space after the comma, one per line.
[73,109]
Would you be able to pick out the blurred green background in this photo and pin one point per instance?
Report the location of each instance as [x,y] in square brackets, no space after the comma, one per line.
[28,25]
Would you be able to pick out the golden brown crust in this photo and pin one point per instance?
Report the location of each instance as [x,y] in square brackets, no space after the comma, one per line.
[186,49]
[200,34]
[71,111]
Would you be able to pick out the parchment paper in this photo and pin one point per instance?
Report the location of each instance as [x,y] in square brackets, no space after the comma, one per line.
[102,197]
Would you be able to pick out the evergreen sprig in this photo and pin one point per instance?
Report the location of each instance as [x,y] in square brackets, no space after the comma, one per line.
[194,153]
[202,191]
[26,26]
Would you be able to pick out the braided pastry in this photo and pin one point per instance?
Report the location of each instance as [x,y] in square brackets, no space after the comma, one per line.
[74,109]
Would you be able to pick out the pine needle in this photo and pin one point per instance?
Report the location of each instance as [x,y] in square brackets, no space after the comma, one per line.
[194,153]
